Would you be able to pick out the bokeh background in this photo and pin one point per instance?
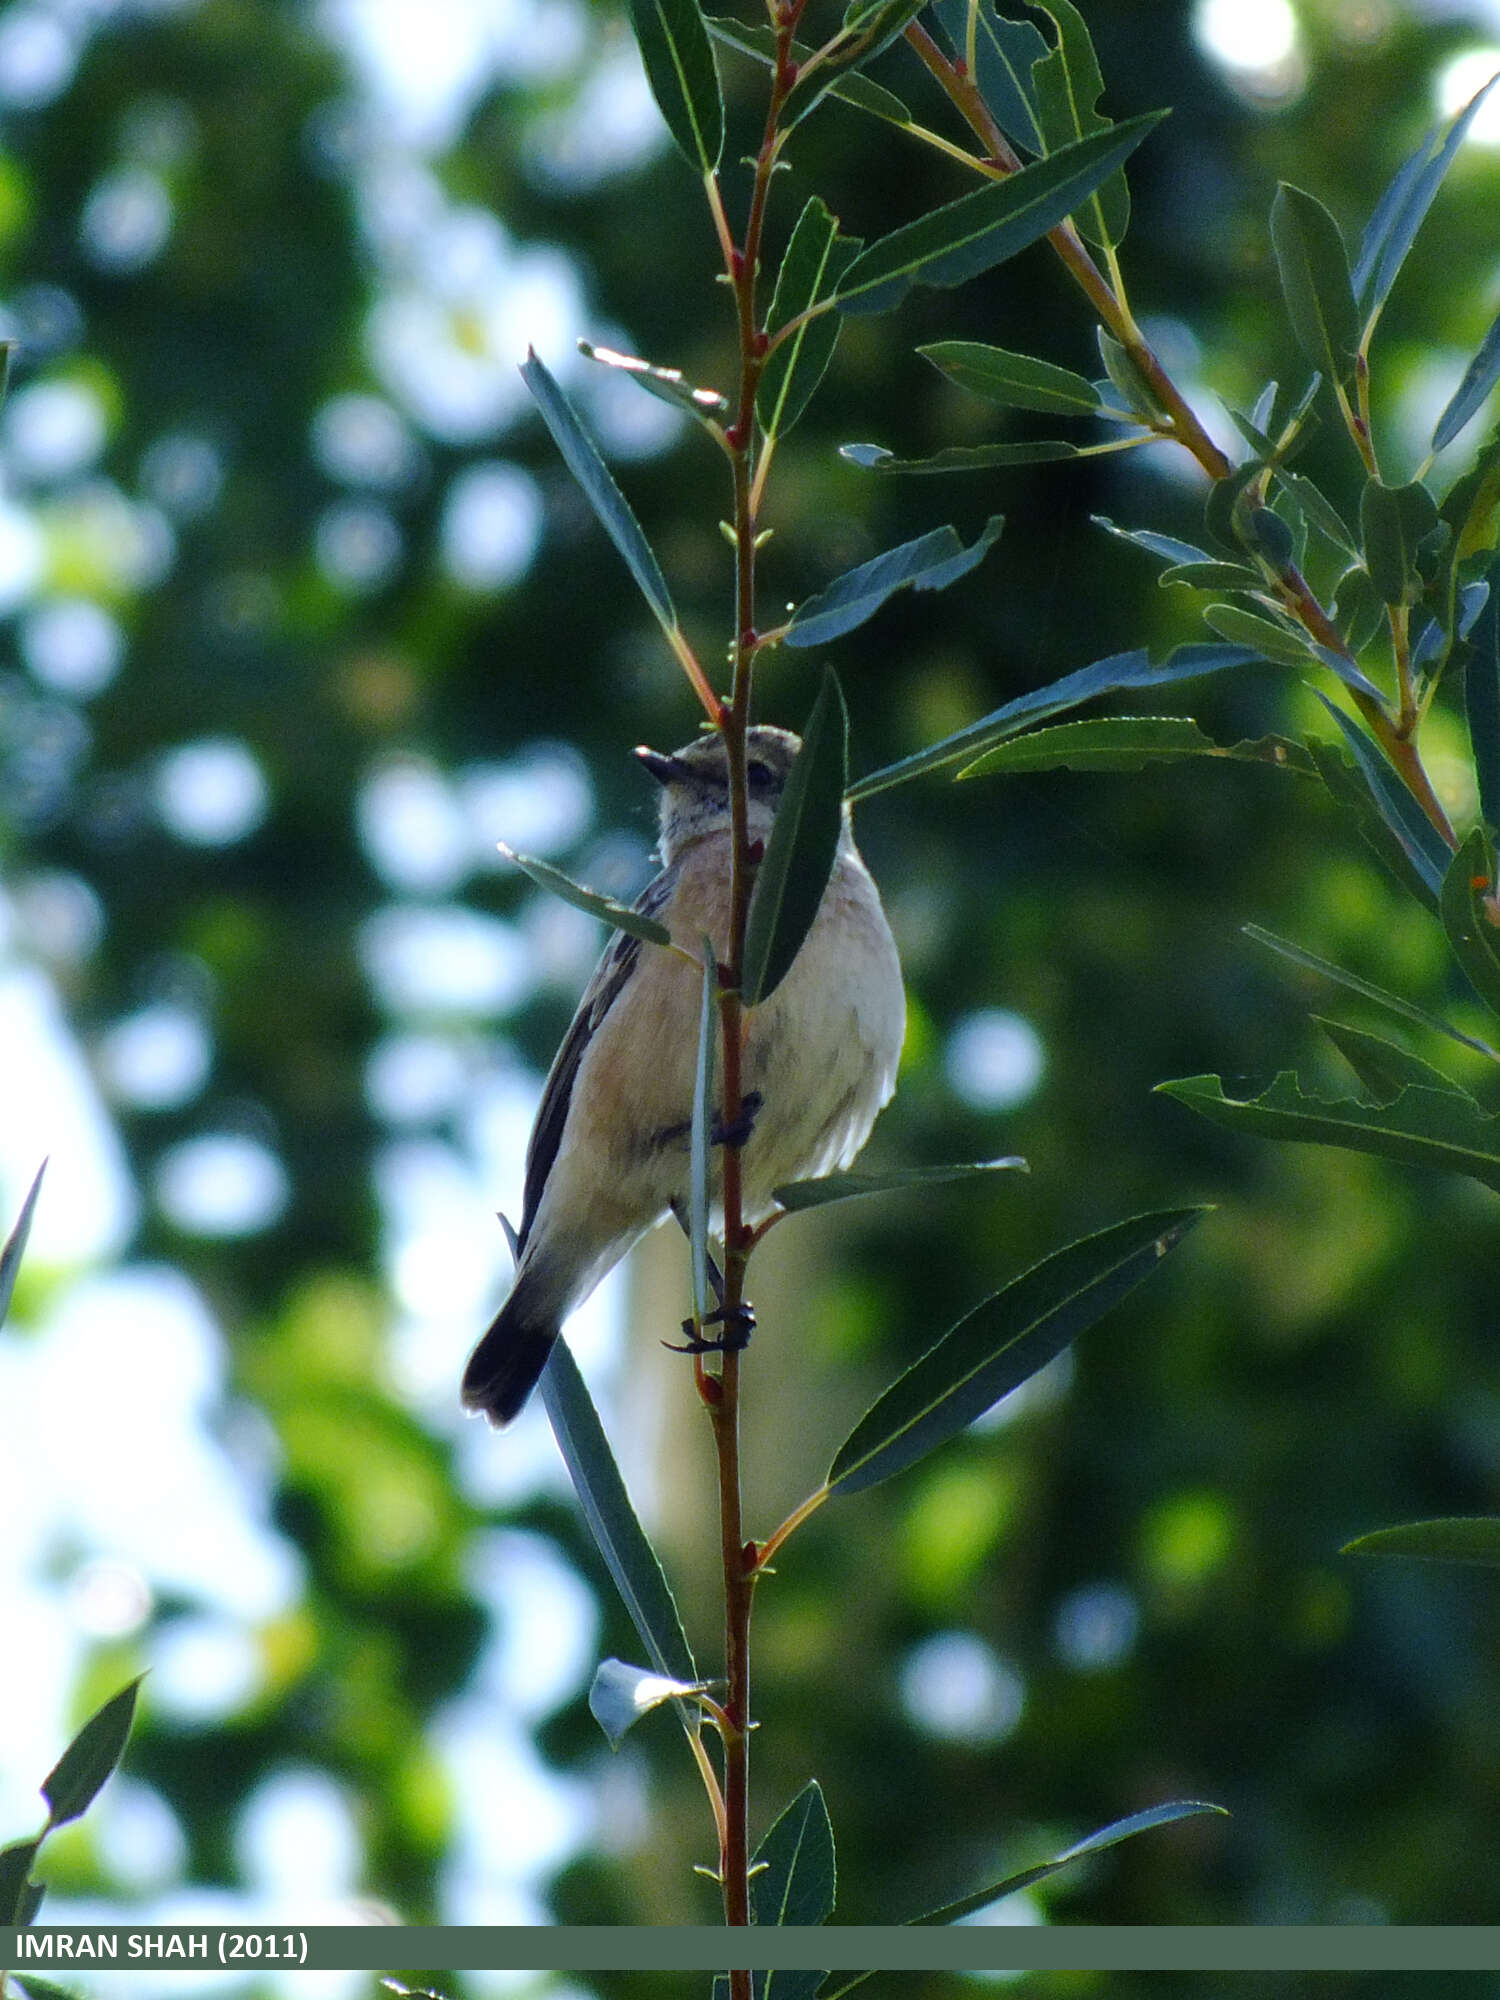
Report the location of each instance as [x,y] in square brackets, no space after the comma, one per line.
[301,616]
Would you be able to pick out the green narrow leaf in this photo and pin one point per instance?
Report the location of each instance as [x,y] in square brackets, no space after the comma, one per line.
[1394,521]
[1284,645]
[1420,1128]
[1134,669]
[1358,610]
[1001,1343]
[604,907]
[621,1540]
[1223,508]
[1094,1843]
[679,60]
[1272,640]
[797,1195]
[1005,57]
[868,30]
[1128,743]
[1315,281]
[816,258]
[1135,392]
[1466,913]
[984,457]
[700,1150]
[1482,703]
[1271,538]
[793,1882]
[586,463]
[15,1880]
[799,856]
[1016,381]
[1471,508]
[620,1695]
[1468,398]
[1402,209]
[74,1781]
[1212,576]
[1319,510]
[1311,962]
[1474,1539]
[1383,1067]
[1254,433]
[995,222]
[1419,839]
[1346,785]
[931,562]
[1167,547]
[759,42]
[667,385]
[1068,85]
[15,1244]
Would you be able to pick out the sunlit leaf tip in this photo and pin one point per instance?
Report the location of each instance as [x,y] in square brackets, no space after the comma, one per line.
[621,1694]
[668,385]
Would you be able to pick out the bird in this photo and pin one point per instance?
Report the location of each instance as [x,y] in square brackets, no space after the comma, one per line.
[608,1157]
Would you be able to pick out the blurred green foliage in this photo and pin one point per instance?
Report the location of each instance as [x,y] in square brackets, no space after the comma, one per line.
[1319,1361]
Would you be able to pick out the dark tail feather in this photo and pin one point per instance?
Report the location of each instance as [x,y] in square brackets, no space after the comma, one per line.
[504,1367]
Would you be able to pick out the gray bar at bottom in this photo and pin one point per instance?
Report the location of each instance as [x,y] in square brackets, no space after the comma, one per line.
[48,1949]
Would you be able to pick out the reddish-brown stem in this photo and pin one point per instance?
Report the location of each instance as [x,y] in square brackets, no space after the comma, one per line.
[742,265]
[1069,246]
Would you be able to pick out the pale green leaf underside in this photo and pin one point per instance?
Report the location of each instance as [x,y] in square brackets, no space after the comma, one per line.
[605,908]
[1472,1539]
[795,1196]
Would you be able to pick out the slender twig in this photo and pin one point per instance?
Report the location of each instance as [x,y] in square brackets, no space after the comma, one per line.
[793,1521]
[1108,301]
[721,1391]
[710,1779]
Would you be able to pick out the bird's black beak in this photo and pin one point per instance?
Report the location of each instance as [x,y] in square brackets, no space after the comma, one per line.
[665,770]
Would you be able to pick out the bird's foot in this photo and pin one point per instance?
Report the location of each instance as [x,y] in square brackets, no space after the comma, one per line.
[738,1132]
[738,1323]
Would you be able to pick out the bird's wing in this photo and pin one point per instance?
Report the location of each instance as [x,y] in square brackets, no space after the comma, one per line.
[610,977]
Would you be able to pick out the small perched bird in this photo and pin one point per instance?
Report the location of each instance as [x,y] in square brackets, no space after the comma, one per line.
[608,1157]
